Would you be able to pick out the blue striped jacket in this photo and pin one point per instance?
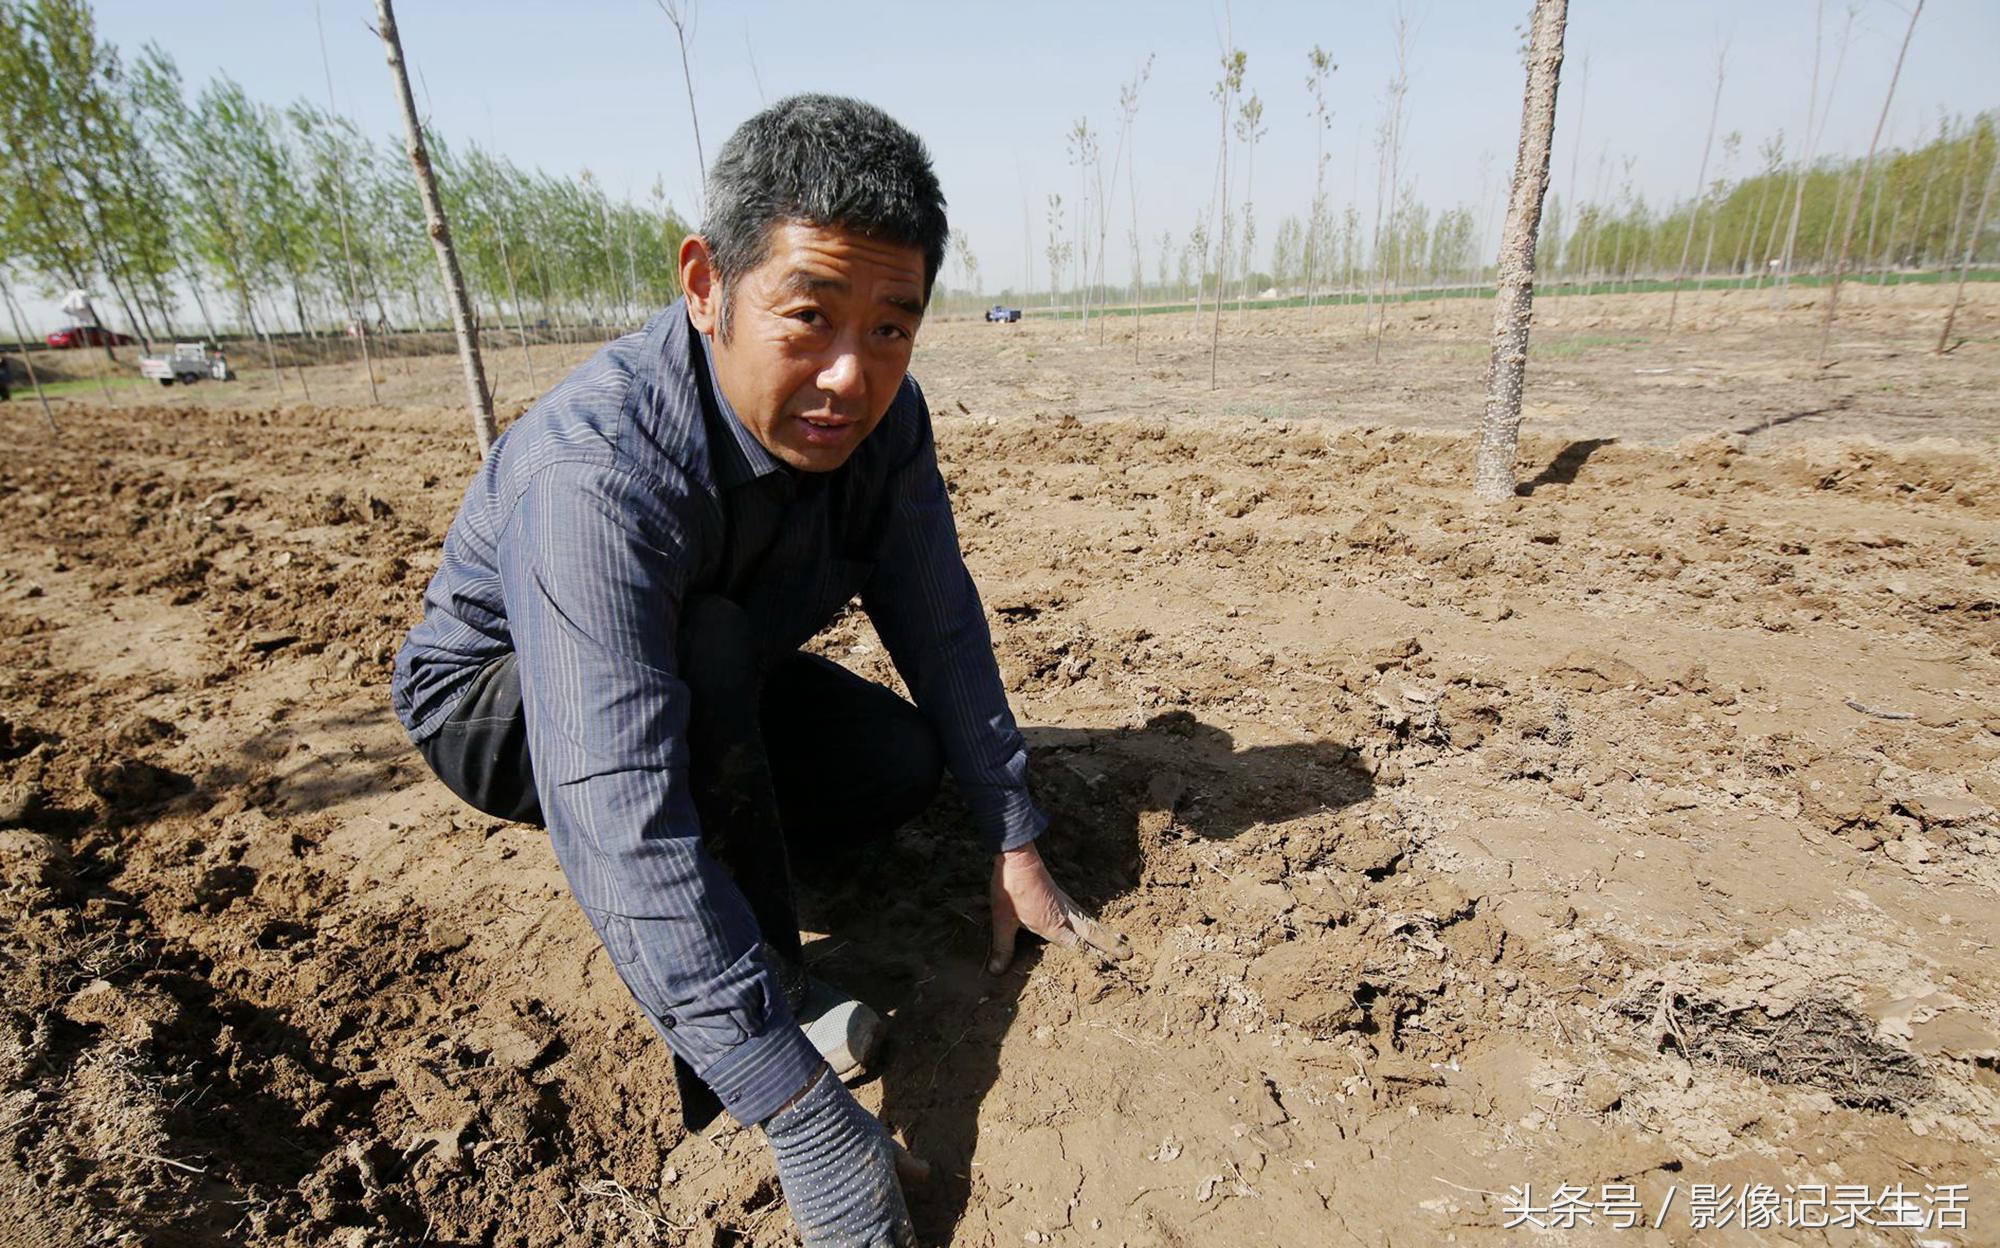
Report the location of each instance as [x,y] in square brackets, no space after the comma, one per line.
[594,515]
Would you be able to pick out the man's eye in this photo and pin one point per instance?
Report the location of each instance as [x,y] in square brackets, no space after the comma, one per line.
[893,331]
[809,316]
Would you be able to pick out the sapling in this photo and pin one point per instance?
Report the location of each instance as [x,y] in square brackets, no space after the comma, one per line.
[1700,183]
[1513,305]
[478,400]
[1861,182]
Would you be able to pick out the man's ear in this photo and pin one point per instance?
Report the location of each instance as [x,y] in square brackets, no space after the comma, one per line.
[704,293]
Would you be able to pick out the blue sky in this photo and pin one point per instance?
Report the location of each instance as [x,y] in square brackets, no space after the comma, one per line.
[994,88]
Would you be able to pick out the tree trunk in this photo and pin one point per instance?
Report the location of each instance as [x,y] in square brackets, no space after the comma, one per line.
[1215,240]
[1513,307]
[1805,143]
[1971,247]
[1700,192]
[353,293]
[554,310]
[1868,253]
[672,9]
[27,359]
[270,351]
[478,402]
[1572,210]
[520,321]
[1887,259]
[1964,197]
[1748,251]
[298,345]
[161,305]
[1138,260]
[1917,248]
[1394,140]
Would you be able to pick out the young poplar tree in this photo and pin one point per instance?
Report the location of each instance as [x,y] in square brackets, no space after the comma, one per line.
[1082,144]
[1716,199]
[1224,94]
[353,292]
[1319,64]
[1513,305]
[680,15]
[1732,145]
[1565,245]
[1971,249]
[1814,109]
[1128,117]
[1774,160]
[1249,129]
[1388,251]
[1861,183]
[478,400]
[1057,249]
[1194,268]
[1964,196]
[1700,183]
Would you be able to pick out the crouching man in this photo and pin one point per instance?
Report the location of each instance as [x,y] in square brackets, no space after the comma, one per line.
[610,647]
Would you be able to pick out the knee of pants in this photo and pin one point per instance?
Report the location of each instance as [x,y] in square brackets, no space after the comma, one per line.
[920,766]
[717,650]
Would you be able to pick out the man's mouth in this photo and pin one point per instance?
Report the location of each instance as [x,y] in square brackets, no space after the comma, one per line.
[827,430]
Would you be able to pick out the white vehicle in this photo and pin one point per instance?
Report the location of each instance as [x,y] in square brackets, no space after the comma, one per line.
[188,363]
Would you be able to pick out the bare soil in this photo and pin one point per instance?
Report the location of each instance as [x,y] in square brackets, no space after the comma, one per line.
[1638,830]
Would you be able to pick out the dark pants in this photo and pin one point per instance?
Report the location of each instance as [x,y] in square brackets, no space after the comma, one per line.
[804,759]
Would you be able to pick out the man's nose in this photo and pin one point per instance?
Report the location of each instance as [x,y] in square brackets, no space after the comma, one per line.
[842,377]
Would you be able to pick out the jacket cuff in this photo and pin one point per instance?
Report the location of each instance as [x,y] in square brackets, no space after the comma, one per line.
[755,1078]
[1018,830]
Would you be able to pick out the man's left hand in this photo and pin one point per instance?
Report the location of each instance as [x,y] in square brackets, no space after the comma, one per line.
[1025,895]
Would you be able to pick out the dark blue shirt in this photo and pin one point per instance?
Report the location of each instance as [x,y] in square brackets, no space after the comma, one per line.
[596,513]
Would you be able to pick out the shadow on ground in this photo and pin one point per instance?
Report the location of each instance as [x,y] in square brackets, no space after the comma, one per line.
[1563,468]
[909,922]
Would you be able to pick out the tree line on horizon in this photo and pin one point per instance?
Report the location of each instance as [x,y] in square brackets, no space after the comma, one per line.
[189,210]
[1917,215]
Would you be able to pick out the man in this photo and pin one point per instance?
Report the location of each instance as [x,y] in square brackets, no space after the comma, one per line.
[610,645]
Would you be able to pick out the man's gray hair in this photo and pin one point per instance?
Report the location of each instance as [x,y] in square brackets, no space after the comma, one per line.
[825,160]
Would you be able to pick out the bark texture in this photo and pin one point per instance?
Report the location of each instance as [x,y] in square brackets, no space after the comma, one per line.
[1513,305]
[476,396]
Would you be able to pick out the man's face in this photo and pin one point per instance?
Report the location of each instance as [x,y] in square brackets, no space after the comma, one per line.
[820,336]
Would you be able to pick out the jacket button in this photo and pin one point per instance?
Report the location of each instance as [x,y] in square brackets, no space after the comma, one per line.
[667,1021]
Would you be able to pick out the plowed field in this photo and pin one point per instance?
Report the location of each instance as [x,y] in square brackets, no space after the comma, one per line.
[1640,830]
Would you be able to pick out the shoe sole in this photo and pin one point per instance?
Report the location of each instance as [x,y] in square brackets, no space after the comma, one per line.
[848,1036]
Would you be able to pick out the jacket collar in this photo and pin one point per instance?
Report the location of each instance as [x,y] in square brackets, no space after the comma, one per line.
[737,455]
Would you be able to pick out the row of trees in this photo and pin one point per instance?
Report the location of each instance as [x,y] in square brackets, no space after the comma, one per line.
[201,210]
[1919,212]
[1788,215]
[190,209]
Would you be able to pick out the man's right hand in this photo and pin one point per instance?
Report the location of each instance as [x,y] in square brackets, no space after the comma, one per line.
[837,1166]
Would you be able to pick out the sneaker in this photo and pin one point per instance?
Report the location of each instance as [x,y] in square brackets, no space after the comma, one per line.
[847,1033]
